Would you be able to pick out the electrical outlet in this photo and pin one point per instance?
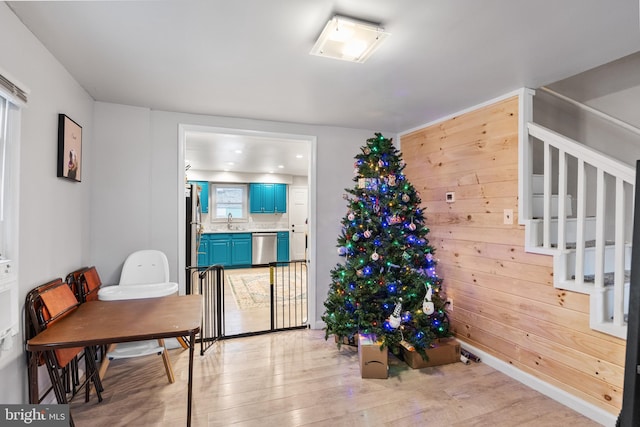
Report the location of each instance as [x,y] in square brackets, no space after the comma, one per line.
[449,304]
[508,216]
[450,197]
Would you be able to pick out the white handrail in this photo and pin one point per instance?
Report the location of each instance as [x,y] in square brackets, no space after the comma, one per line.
[608,164]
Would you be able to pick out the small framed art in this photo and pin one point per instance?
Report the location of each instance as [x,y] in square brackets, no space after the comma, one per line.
[69,149]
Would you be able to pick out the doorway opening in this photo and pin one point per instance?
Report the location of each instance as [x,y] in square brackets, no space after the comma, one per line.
[217,157]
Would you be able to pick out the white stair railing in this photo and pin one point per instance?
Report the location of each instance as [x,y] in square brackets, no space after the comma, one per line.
[603,259]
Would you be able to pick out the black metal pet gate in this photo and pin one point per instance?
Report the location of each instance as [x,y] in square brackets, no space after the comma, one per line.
[288,291]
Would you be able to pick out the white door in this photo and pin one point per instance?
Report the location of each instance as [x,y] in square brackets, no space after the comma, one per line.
[298,215]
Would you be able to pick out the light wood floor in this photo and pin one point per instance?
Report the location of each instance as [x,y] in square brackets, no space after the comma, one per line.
[296,378]
[238,321]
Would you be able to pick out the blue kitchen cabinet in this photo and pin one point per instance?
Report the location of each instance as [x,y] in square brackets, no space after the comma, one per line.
[283,246]
[229,249]
[203,251]
[280,198]
[220,249]
[241,249]
[267,198]
[255,198]
[204,194]
[261,198]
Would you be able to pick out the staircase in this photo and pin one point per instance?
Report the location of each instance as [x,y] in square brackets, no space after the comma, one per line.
[577,205]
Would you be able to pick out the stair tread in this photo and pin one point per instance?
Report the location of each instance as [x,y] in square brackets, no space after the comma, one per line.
[570,218]
[608,277]
[587,244]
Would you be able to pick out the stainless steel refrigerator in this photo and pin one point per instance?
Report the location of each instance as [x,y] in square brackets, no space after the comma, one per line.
[193,232]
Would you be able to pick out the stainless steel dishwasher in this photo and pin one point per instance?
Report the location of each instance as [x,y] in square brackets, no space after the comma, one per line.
[263,248]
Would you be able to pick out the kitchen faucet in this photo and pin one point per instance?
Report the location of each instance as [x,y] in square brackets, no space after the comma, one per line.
[229,220]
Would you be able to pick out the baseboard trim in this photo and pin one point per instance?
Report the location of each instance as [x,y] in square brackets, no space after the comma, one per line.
[583,407]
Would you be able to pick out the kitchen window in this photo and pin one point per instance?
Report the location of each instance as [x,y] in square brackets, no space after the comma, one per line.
[228,201]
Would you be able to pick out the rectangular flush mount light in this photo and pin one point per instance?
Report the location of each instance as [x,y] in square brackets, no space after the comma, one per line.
[348,39]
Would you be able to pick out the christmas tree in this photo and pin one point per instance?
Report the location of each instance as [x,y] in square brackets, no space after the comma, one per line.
[387,285]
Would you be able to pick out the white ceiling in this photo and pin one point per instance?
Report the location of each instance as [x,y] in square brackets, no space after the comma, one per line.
[250,58]
[219,151]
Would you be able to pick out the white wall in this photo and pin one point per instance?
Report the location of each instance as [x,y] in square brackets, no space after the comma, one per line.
[121,194]
[589,129]
[135,202]
[613,89]
[53,212]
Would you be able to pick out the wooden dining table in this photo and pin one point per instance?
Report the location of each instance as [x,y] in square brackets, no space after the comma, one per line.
[97,323]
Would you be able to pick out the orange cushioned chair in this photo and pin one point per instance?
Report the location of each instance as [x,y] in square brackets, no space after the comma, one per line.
[73,280]
[44,306]
[89,285]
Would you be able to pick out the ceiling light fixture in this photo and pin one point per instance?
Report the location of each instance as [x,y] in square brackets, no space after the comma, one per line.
[349,39]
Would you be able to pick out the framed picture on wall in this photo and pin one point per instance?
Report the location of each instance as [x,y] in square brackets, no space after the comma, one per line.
[69,149]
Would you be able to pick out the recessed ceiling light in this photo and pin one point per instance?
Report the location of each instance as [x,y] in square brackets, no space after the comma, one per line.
[299,156]
[238,151]
[349,39]
[230,163]
[280,166]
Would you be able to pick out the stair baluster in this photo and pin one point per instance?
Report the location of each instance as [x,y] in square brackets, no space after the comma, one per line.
[598,261]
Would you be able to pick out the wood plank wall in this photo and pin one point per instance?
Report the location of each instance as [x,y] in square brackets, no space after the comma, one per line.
[504,301]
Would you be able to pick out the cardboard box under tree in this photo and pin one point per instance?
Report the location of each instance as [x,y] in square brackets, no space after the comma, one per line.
[445,350]
[374,362]
[346,340]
